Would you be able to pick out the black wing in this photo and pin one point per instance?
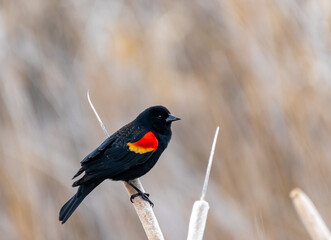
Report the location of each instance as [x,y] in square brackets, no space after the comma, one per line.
[113,156]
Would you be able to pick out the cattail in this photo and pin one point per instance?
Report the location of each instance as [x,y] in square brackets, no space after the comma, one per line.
[200,208]
[309,216]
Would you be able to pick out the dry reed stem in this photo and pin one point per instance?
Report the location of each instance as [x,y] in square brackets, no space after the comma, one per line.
[309,216]
[143,208]
[200,208]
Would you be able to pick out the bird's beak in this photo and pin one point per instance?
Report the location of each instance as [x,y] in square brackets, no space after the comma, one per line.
[172,118]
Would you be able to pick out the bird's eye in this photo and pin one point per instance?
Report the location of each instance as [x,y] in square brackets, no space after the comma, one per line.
[159,116]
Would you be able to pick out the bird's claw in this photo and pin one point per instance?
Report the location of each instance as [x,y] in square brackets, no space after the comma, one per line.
[144,196]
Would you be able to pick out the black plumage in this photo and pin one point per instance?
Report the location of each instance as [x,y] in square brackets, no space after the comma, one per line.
[114,160]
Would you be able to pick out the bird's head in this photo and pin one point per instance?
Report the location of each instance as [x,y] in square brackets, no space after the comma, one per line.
[157,118]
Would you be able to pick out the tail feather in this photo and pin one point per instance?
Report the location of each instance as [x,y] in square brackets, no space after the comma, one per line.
[80,171]
[70,206]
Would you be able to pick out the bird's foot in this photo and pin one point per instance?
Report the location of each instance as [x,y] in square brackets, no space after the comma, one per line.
[144,196]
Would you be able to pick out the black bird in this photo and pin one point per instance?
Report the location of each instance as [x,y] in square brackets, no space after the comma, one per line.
[128,154]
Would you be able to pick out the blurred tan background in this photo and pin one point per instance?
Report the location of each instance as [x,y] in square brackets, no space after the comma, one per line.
[259,69]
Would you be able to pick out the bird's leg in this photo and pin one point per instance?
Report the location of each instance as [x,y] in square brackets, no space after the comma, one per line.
[143,195]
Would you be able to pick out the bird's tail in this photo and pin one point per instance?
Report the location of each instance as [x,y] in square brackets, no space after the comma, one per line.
[74,202]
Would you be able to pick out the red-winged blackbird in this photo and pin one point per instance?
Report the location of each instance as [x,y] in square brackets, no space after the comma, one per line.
[128,154]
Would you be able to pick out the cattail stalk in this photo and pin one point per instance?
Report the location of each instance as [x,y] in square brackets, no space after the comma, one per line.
[200,208]
[309,216]
[143,208]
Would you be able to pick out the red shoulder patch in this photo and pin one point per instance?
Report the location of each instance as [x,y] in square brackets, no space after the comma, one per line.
[146,144]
